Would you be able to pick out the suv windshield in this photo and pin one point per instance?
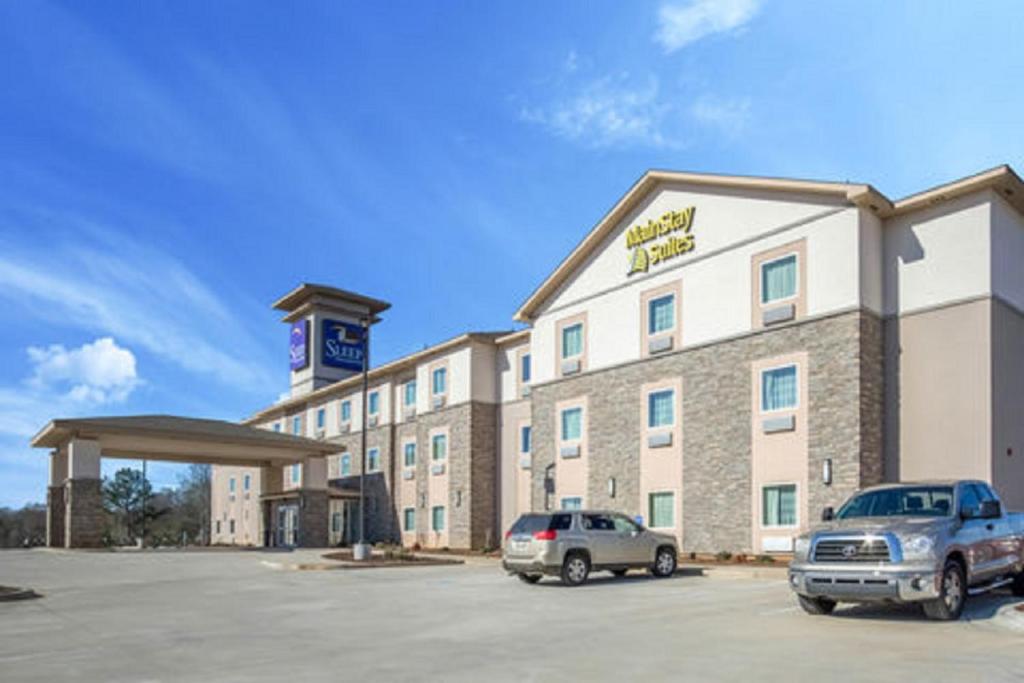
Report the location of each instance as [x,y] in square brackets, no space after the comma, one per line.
[909,501]
[530,524]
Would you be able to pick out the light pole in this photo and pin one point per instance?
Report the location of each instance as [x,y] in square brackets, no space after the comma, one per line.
[361,550]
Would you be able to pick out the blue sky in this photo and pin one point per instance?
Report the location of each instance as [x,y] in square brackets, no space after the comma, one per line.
[167,169]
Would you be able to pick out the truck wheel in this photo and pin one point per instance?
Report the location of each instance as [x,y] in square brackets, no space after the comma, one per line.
[575,569]
[950,603]
[529,578]
[816,606]
[664,563]
[1018,585]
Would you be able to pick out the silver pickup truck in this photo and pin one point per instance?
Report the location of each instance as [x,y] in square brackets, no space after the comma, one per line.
[933,543]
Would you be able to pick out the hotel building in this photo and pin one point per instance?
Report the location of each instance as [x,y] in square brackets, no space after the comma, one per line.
[722,356]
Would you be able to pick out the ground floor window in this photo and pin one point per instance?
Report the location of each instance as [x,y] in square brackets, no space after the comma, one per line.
[410,519]
[336,522]
[572,503]
[437,518]
[231,526]
[346,464]
[779,505]
[218,526]
[661,510]
[373,460]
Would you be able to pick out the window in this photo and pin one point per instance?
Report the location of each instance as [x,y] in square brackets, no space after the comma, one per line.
[295,473]
[373,460]
[346,411]
[231,484]
[410,393]
[439,381]
[525,434]
[410,454]
[661,314]
[779,505]
[346,464]
[218,526]
[661,408]
[572,424]
[661,510]
[778,279]
[572,503]
[437,518]
[296,425]
[231,527]
[277,426]
[439,447]
[409,519]
[321,418]
[336,522]
[246,482]
[572,340]
[524,368]
[373,404]
[778,388]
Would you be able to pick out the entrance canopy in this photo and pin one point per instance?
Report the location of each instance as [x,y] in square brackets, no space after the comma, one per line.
[182,439]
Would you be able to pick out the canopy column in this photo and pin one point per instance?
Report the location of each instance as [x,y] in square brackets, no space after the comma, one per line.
[314,506]
[83,495]
[56,507]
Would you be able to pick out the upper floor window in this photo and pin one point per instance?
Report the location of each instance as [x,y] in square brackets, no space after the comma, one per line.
[524,368]
[321,418]
[439,381]
[572,424]
[779,279]
[345,467]
[525,435]
[410,393]
[779,388]
[277,426]
[439,446]
[572,340]
[246,482]
[231,484]
[661,314]
[346,411]
[373,460]
[296,425]
[661,408]
[410,454]
[373,404]
[295,473]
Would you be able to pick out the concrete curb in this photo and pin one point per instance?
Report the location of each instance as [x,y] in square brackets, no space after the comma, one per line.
[740,571]
[1011,617]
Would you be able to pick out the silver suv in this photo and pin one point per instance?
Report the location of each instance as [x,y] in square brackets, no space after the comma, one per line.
[572,543]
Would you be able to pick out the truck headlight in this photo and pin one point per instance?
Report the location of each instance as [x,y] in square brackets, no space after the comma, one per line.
[801,546]
[918,546]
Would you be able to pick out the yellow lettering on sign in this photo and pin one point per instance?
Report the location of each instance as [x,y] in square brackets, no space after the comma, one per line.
[643,256]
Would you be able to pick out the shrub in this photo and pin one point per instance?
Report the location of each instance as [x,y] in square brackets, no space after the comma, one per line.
[723,556]
[765,559]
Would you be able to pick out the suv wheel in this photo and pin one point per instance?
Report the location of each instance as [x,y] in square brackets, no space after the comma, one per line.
[816,606]
[1018,585]
[529,578]
[575,569]
[664,563]
[950,603]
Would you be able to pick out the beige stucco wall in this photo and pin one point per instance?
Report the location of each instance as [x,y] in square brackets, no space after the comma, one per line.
[939,393]
[243,507]
[1008,403]
[571,473]
[512,478]
[438,490]
[661,469]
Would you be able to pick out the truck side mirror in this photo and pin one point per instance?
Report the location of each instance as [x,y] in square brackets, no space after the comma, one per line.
[828,514]
[989,509]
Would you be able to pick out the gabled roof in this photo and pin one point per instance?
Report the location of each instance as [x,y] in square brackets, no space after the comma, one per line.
[1001,179]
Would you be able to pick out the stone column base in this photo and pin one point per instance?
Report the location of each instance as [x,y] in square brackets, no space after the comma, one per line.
[313,519]
[56,509]
[84,519]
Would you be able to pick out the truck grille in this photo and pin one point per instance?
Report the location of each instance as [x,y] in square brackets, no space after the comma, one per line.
[851,550]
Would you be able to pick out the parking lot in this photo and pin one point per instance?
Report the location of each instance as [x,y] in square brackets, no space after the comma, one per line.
[226,616]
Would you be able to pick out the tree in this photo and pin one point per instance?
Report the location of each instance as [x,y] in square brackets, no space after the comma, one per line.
[123,497]
[24,527]
[194,502]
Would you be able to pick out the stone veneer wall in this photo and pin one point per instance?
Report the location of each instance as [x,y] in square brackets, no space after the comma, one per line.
[381,518]
[313,519]
[85,518]
[458,419]
[483,489]
[844,357]
[55,511]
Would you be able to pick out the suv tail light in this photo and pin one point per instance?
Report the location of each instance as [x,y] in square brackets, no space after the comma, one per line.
[546,535]
[508,534]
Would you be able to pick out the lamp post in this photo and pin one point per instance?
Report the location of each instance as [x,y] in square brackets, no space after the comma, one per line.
[361,550]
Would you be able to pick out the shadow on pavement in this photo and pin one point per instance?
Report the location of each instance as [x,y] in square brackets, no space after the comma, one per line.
[978,608]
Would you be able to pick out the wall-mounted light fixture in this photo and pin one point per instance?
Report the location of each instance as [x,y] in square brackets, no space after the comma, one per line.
[423,500]
[826,472]
[611,487]
[458,498]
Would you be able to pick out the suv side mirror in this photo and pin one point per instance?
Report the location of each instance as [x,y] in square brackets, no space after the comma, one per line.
[828,514]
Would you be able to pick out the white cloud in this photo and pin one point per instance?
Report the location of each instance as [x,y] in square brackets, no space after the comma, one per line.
[680,25]
[607,112]
[730,116]
[571,62]
[97,373]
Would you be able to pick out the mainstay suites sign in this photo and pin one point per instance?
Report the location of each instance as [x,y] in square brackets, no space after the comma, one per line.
[660,239]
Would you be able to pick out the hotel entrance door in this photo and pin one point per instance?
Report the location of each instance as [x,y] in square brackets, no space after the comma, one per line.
[287,525]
